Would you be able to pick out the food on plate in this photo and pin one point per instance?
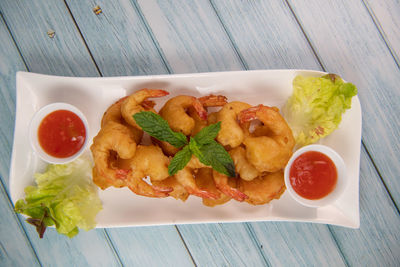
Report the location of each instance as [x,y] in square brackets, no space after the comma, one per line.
[117,138]
[64,196]
[313,175]
[315,108]
[148,161]
[243,167]
[264,188]
[186,177]
[222,183]
[232,133]
[178,190]
[270,151]
[204,180]
[138,102]
[61,133]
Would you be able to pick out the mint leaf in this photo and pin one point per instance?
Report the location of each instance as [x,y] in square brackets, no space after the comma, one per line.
[157,127]
[179,161]
[213,154]
[208,134]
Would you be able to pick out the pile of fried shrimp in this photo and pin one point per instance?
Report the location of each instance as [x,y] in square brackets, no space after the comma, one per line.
[257,138]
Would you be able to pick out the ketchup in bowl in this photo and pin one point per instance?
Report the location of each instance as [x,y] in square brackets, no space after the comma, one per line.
[313,175]
[58,133]
[61,133]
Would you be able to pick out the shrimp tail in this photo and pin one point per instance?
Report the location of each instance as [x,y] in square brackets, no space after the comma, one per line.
[200,110]
[213,100]
[140,187]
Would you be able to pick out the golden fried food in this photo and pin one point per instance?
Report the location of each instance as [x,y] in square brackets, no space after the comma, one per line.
[186,177]
[205,181]
[263,189]
[232,133]
[148,161]
[113,137]
[272,151]
[222,183]
[174,112]
[137,102]
[243,167]
[178,190]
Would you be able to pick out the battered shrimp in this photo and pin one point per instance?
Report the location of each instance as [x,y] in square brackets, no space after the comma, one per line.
[206,101]
[263,189]
[113,113]
[272,151]
[138,102]
[178,190]
[222,183]
[186,178]
[117,138]
[232,133]
[204,180]
[148,161]
[174,111]
[245,169]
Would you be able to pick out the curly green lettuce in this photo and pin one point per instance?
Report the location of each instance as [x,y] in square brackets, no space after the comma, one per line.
[64,196]
[315,108]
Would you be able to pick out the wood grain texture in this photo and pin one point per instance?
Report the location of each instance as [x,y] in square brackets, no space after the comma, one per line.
[377,242]
[15,248]
[117,37]
[29,22]
[353,47]
[150,246]
[266,35]
[190,36]
[222,245]
[386,16]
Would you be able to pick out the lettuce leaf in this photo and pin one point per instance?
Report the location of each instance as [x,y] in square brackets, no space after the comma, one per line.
[64,196]
[316,106]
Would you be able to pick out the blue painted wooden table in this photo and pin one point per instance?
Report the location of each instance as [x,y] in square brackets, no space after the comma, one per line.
[358,39]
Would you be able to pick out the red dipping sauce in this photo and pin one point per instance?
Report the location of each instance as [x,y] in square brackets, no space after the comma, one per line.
[313,175]
[61,134]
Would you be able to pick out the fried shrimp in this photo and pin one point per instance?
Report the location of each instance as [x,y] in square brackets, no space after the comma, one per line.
[186,177]
[270,151]
[243,167]
[112,138]
[263,189]
[174,112]
[113,113]
[148,161]
[232,133]
[222,183]
[206,101]
[205,181]
[178,190]
[138,102]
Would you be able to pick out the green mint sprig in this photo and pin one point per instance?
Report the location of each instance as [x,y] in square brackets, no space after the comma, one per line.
[203,145]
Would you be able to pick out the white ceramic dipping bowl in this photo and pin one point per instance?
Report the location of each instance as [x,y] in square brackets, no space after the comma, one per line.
[34,126]
[341,176]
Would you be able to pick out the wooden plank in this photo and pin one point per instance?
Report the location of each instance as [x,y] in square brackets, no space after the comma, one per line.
[266,35]
[377,242]
[353,47]
[222,245]
[30,21]
[386,17]
[89,248]
[117,37]
[190,36]
[150,246]
[170,13]
[15,248]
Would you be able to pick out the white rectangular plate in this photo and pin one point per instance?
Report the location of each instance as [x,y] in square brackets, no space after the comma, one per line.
[123,208]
